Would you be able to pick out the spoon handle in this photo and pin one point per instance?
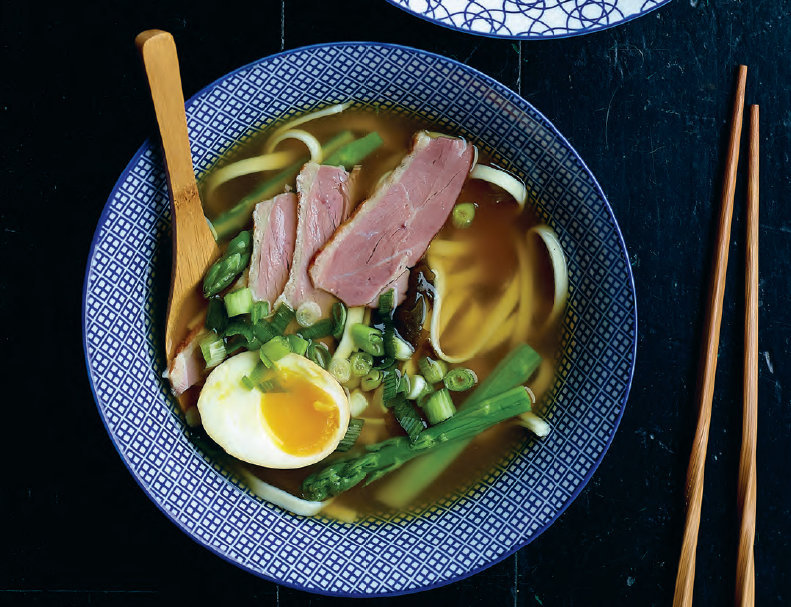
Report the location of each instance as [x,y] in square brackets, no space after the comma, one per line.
[158,50]
[193,243]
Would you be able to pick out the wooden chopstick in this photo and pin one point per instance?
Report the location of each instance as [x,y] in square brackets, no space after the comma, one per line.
[745,563]
[685,578]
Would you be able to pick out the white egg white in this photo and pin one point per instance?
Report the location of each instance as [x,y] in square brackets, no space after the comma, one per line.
[232,414]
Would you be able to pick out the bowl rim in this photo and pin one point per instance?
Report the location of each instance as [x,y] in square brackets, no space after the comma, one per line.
[532,37]
[455,578]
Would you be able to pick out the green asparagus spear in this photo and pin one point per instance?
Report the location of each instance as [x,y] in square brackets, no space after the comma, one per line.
[515,369]
[239,215]
[225,270]
[381,458]
[354,152]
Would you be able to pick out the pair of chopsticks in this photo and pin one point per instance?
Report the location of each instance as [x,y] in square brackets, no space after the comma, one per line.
[745,573]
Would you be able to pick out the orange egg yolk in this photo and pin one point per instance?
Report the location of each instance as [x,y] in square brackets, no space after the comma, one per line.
[302,417]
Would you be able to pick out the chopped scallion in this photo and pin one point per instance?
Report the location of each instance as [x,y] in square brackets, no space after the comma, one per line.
[372,380]
[432,370]
[368,339]
[391,382]
[460,379]
[216,316]
[408,418]
[259,311]
[361,363]
[358,403]
[402,350]
[308,313]
[463,214]
[268,363]
[340,369]
[297,344]
[282,318]
[417,386]
[245,331]
[339,314]
[238,302]
[263,331]
[319,354]
[276,348]
[352,433]
[213,349]
[439,407]
[386,303]
[322,328]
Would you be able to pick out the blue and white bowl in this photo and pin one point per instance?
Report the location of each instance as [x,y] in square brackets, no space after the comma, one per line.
[124,302]
[528,19]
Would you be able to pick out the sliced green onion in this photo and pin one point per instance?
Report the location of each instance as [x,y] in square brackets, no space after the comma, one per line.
[297,344]
[263,331]
[248,383]
[402,350]
[339,319]
[421,400]
[322,328]
[535,424]
[463,214]
[404,385]
[417,386]
[386,302]
[460,379]
[432,370]
[213,350]
[308,313]
[346,344]
[216,316]
[259,373]
[319,354]
[372,380]
[259,311]
[391,382]
[282,318]
[276,348]
[368,339]
[239,302]
[386,364]
[340,369]
[358,403]
[352,433]
[408,418]
[243,329]
[439,407]
[361,363]
[268,363]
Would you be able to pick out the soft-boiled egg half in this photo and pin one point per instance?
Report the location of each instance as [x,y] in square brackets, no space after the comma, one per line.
[298,424]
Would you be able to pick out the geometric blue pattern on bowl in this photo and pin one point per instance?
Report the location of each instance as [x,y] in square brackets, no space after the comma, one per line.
[125,287]
[528,19]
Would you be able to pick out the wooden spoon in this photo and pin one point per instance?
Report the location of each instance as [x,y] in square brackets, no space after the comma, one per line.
[194,247]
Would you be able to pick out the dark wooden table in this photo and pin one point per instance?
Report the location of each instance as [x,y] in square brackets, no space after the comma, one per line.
[645,105]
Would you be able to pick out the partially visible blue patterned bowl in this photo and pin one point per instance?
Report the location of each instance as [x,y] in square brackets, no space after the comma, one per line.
[529,19]
[126,288]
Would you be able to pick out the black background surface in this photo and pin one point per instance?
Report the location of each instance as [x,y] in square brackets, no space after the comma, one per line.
[645,104]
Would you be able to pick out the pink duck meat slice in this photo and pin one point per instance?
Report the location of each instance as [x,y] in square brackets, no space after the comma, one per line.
[324,203]
[274,234]
[391,230]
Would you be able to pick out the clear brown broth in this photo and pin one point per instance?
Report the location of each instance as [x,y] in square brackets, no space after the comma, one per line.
[496,218]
